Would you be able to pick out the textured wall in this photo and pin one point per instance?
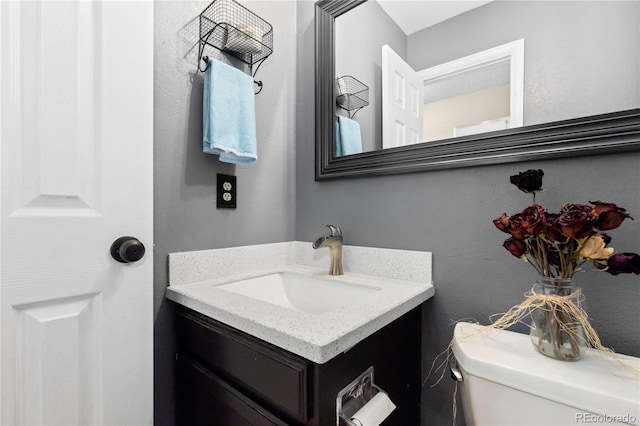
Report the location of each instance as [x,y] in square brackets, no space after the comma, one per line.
[449,213]
[185,199]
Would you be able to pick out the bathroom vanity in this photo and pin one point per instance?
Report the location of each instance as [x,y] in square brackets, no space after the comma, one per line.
[266,337]
[229,378]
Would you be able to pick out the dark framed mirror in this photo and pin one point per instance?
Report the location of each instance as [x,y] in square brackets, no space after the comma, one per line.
[613,132]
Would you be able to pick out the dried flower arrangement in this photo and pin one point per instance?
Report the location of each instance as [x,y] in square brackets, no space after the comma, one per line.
[557,244]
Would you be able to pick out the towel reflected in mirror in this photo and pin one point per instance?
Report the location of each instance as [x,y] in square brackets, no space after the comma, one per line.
[348,137]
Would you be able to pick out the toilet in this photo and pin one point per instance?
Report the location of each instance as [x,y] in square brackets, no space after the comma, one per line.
[503,380]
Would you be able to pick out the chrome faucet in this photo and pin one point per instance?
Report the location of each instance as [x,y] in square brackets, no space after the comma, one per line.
[333,242]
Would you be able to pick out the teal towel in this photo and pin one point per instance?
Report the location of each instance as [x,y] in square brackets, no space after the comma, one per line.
[348,138]
[228,114]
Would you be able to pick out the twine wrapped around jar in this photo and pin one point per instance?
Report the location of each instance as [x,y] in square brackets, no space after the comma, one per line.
[558,321]
[559,325]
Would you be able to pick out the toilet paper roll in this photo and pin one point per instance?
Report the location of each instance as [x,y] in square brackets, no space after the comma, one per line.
[374,411]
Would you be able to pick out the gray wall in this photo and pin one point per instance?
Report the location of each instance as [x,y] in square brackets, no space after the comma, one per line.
[446,212]
[184,178]
[449,212]
[571,48]
[360,56]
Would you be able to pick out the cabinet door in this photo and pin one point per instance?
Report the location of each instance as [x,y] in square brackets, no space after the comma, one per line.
[206,399]
[266,373]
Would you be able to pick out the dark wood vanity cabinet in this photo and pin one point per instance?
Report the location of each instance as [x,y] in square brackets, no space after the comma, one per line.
[228,378]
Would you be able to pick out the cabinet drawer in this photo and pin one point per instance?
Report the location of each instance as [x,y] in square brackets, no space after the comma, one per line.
[205,399]
[266,373]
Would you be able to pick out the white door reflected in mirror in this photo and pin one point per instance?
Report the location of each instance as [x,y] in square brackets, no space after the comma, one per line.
[473,101]
[402,101]
[475,94]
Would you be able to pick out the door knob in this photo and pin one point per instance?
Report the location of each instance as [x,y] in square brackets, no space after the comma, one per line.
[127,250]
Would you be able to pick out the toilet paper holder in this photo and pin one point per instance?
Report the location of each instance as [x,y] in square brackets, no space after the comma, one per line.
[354,396]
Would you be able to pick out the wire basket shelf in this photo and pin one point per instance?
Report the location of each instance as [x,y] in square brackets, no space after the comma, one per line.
[351,94]
[230,27]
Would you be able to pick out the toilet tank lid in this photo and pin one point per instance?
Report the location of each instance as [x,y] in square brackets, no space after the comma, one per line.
[596,383]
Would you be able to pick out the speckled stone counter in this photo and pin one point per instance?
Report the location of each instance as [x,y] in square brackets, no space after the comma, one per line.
[403,278]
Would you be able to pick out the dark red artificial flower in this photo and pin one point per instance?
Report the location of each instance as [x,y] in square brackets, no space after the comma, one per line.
[624,263]
[533,219]
[511,225]
[609,216]
[576,220]
[552,231]
[515,246]
[529,181]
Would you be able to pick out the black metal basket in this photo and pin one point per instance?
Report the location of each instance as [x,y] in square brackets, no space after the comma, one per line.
[351,94]
[228,26]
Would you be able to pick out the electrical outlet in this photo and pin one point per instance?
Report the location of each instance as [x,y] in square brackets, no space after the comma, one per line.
[227,191]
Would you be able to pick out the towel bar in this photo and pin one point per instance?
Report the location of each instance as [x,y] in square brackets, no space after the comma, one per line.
[258,83]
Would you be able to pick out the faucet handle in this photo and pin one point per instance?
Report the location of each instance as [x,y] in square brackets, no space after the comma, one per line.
[334,230]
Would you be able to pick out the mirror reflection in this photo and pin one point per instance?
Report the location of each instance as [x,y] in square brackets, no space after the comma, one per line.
[458,68]
[470,102]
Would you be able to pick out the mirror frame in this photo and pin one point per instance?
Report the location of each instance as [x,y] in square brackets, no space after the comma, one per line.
[594,135]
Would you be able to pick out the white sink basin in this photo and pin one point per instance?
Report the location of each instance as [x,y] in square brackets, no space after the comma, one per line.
[281,292]
[305,293]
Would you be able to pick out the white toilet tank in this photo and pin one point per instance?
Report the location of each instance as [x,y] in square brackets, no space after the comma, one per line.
[507,382]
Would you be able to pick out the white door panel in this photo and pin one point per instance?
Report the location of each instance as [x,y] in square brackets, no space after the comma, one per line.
[76,126]
[402,105]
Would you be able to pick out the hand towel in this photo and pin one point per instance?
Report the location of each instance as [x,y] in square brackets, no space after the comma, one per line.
[348,138]
[229,114]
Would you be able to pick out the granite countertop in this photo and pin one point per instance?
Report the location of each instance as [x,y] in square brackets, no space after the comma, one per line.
[317,337]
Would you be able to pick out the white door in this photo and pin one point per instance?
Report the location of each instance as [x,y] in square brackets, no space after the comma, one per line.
[76,123]
[402,101]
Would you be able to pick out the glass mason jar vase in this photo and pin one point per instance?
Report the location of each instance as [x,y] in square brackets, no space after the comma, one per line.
[555,329]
